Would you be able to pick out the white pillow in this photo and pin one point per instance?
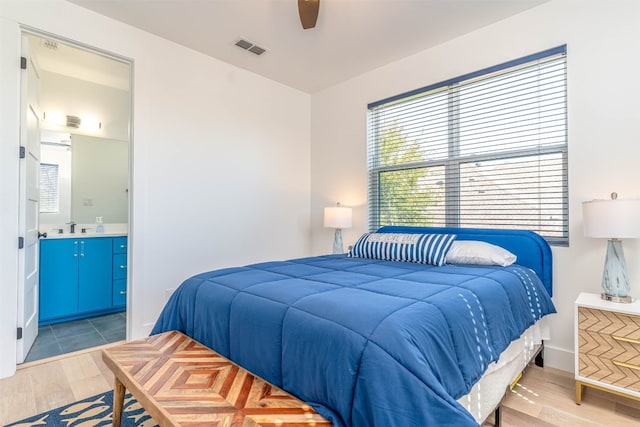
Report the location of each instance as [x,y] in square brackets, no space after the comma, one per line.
[479,253]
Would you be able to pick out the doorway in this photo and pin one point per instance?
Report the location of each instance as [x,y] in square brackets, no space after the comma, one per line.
[83,175]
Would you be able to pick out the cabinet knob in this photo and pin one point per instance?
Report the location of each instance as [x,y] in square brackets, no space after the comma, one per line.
[123,292]
[123,266]
[123,246]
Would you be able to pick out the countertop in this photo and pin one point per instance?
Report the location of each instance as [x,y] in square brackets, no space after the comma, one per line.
[87,235]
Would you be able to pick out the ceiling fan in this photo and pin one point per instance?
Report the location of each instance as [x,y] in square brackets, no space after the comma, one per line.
[308,11]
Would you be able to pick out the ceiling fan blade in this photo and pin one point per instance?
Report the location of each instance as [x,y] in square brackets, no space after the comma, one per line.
[308,11]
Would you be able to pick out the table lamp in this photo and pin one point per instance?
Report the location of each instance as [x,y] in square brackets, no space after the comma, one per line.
[614,220]
[338,217]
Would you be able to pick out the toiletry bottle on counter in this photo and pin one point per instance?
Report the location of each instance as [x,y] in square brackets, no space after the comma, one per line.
[99,226]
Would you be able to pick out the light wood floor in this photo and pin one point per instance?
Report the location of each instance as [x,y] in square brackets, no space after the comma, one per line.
[542,398]
[48,384]
[545,397]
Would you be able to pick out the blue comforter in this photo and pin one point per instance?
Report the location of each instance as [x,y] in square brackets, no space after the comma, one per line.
[366,342]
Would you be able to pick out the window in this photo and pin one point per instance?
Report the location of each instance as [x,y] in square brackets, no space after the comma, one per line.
[488,149]
[49,188]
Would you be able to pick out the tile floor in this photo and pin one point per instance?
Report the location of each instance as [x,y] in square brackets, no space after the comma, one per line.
[67,337]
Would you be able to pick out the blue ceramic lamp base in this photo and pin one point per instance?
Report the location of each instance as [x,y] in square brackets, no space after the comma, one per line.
[615,281]
[338,248]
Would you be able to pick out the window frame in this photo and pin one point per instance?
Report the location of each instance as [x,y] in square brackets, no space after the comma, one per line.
[453,160]
[55,193]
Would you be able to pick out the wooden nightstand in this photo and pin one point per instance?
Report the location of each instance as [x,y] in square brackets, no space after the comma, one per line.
[607,346]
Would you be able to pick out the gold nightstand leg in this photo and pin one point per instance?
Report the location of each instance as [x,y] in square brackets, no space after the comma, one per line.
[578,392]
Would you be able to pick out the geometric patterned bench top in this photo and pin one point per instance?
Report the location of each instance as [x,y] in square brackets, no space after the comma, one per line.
[181,382]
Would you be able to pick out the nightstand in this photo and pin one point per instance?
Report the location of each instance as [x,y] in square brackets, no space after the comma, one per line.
[607,346]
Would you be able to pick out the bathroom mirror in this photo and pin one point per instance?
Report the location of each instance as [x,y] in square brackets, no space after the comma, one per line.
[91,175]
[99,176]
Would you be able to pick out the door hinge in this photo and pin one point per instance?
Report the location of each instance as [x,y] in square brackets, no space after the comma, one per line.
[20,242]
[23,63]
[23,152]
[19,333]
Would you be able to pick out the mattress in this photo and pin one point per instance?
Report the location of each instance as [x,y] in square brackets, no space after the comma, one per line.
[365,342]
[488,392]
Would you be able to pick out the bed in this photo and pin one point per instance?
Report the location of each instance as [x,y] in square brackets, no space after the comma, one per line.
[369,341]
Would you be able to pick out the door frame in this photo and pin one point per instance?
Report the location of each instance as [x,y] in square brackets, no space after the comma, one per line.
[24,29]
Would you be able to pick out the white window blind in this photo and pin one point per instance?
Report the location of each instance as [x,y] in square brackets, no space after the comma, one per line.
[49,188]
[488,149]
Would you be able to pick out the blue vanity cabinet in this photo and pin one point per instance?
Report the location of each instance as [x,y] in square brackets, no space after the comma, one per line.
[120,272]
[77,278]
[58,278]
[94,274]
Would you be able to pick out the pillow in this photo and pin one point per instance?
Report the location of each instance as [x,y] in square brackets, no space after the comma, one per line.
[479,253]
[419,248]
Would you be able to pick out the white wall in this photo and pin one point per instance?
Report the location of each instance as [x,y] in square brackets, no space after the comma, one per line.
[221,169]
[604,130]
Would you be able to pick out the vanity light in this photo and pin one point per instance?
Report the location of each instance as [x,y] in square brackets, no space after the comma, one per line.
[55,118]
[90,124]
[87,124]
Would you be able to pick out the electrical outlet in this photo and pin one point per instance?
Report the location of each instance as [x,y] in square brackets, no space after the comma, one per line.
[168,293]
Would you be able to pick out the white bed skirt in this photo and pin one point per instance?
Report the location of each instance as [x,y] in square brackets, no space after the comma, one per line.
[486,394]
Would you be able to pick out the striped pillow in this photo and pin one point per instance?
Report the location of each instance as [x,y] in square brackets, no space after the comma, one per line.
[421,248]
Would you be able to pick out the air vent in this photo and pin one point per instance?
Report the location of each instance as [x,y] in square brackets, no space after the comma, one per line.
[73,121]
[250,46]
[243,44]
[257,50]
[50,44]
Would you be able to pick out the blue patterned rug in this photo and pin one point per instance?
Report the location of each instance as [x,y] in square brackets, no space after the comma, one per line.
[91,412]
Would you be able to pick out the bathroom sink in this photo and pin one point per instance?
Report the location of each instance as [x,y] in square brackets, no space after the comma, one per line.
[110,230]
[88,234]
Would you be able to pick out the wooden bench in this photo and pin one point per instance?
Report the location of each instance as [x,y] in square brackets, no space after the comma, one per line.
[180,382]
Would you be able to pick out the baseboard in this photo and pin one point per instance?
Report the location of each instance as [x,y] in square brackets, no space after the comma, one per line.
[140,331]
[559,358]
[146,329]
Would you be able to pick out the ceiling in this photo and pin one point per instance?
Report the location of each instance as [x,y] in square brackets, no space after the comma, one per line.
[350,38]
[79,63]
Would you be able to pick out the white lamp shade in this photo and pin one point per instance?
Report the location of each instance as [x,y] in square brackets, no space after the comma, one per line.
[337,217]
[612,219]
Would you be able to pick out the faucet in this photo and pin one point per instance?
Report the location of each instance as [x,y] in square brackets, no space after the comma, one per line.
[72,227]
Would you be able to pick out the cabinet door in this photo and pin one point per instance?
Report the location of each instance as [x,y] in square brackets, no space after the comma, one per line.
[94,274]
[120,245]
[120,292]
[58,278]
[120,266]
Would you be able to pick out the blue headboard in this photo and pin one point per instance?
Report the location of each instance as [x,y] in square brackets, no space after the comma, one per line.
[530,248]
